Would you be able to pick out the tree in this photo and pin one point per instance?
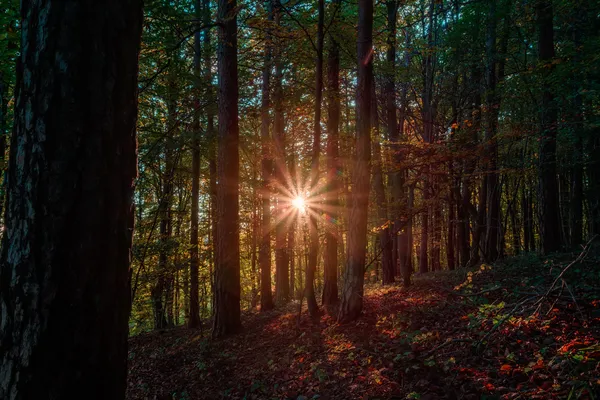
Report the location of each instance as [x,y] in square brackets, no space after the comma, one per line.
[330,285]
[194,320]
[266,297]
[352,295]
[227,267]
[65,294]
[549,216]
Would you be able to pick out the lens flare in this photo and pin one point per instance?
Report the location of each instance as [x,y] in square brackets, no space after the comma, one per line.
[299,203]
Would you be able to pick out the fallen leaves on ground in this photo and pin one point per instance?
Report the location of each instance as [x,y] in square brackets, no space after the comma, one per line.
[486,333]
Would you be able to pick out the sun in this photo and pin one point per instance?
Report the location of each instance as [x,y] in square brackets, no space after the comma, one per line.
[299,203]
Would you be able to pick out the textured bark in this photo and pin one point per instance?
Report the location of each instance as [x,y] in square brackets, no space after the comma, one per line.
[352,297]
[64,277]
[266,296]
[549,210]
[194,318]
[227,267]
[330,285]
[311,301]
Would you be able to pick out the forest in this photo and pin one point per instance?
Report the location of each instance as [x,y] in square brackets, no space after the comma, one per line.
[300,199]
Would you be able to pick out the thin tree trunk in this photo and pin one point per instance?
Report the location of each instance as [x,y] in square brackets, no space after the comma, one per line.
[212,138]
[281,265]
[194,320]
[491,177]
[311,268]
[64,275]
[266,296]
[330,286]
[384,242]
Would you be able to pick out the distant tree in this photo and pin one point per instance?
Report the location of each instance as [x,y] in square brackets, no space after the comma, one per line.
[64,277]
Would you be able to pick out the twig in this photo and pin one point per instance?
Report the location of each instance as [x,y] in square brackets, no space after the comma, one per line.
[446,343]
[502,321]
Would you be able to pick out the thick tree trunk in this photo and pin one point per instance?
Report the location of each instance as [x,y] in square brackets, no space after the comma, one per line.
[266,296]
[352,297]
[330,286]
[549,210]
[227,268]
[64,277]
[194,317]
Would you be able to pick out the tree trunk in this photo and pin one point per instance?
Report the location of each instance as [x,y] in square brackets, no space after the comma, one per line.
[330,286]
[194,317]
[311,301]
[266,296]
[281,265]
[384,242]
[352,298]
[227,267]
[64,277]
[212,138]
[492,104]
[549,211]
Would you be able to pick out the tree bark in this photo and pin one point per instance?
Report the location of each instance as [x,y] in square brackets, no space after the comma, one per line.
[227,267]
[352,298]
[64,277]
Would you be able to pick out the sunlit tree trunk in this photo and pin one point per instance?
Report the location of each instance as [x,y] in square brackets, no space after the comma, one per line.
[64,275]
[352,296]
[266,296]
[549,210]
[227,267]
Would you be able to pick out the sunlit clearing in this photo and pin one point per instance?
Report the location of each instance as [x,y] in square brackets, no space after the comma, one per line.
[298,202]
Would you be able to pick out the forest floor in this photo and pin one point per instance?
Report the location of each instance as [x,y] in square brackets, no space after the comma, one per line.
[523,329]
